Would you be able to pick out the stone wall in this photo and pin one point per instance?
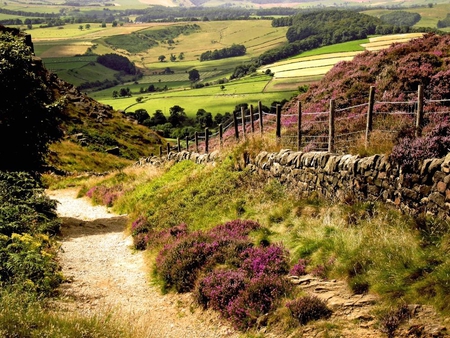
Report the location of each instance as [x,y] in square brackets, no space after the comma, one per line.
[347,177]
[344,177]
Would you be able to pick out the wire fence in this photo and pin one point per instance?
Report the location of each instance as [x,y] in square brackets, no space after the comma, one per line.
[336,130]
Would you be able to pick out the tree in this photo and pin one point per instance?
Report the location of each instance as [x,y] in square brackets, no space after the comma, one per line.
[80,27]
[158,118]
[173,58]
[177,116]
[204,118]
[87,26]
[181,56]
[194,75]
[114,23]
[29,114]
[161,58]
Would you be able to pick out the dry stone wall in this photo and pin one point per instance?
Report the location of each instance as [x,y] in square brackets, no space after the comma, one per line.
[374,178]
[347,177]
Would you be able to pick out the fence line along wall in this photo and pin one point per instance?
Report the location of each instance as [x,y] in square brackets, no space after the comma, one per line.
[346,177]
[334,130]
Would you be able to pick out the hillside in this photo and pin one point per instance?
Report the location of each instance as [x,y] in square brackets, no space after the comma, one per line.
[396,73]
[95,137]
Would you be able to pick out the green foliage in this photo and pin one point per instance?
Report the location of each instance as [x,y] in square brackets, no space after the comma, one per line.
[401,18]
[29,119]
[117,62]
[27,254]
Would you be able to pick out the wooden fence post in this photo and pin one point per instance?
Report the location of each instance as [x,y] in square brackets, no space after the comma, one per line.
[278,129]
[220,135]
[331,127]
[178,144]
[299,126]
[160,151]
[168,148]
[252,123]
[260,117]
[196,141]
[206,140]
[243,121]
[369,115]
[236,129]
[187,143]
[419,115]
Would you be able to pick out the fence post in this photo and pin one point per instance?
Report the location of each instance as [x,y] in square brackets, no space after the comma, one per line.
[236,129]
[168,148]
[278,130]
[299,126]
[187,143]
[243,121]
[252,124]
[260,117]
[178,144]
[370,115]
[196,141]
[160,151]
[419,116]
[331,127]
[220,136]
[206,140]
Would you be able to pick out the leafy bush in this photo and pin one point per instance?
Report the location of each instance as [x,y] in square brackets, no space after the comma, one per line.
[27,254]
[308,308]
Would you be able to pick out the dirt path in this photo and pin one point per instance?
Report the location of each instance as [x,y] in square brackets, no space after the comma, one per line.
[106,274]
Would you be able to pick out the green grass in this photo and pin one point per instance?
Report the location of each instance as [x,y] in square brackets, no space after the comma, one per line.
[213,99]
[351,46]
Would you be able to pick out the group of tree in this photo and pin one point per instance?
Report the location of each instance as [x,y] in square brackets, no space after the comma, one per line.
[119,63]
[401,18]
[326,27]
[234,50]
[444,23]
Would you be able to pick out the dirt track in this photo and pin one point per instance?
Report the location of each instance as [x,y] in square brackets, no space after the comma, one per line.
[106,274]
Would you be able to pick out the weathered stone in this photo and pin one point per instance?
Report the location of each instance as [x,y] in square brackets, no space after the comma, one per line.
[441,187]
[437,198]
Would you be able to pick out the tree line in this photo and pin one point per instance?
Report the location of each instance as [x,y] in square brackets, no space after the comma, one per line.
[234,50]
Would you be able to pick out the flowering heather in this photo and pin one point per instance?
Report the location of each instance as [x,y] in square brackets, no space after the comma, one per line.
[234,230]
[219,288]
[104,195]
[260,296]
[139,225]
[299,269]
[271,260]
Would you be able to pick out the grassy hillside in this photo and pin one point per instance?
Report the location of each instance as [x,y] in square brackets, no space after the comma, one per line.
[372,247]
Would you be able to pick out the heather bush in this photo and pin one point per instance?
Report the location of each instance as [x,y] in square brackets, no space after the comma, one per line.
[270,260]
[299,268]
[410,151]
[260,296]
[105,195]
[391,320]
[217,289]
[308,308]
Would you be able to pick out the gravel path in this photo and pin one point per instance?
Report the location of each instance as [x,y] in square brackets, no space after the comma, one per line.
[106,274]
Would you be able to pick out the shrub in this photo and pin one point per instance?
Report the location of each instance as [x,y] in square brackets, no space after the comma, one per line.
[271,260]
[260,296]
[308,308]
[299,269]
[392,319]
[219,288]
